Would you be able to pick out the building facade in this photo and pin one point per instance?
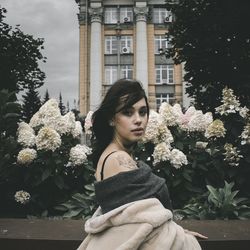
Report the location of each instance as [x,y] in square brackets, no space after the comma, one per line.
[124,39]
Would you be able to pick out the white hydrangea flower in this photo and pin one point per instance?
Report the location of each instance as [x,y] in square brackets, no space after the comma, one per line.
[25,135]
[215,129]
[230,103]
[157,130]
[244,112]
[78,154]
[245,135]
[26,156]
[77,132]
[201,144]
[161,153]
[151,133]
[185,118]
[164,134]
[22,197]
[49,115]
[88,123]
[168,114]
[197,122]
[48,139]
[36,120]
[232,155]
[208,119]
[65,124]
[178,158]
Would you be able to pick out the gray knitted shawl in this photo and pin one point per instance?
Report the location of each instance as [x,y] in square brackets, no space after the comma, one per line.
[131,186]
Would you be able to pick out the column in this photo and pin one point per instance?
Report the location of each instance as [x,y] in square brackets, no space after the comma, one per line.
[95,58]
[141,59]
[83,63]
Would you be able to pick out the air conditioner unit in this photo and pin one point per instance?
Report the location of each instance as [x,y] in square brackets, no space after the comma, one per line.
[168,19]
[125,50]
[126,19]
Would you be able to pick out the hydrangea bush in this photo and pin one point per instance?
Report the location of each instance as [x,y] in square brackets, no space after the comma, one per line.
[191,149]
[53,165]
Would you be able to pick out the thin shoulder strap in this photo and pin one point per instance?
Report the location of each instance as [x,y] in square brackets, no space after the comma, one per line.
[104,163]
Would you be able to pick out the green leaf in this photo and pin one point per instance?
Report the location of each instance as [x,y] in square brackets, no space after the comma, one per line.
[59,182]
[46,173]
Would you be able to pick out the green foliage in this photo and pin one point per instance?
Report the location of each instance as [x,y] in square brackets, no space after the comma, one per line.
[31,103]
[81,205]
[61,105]
[217,203]
[19,58]
[46,97]
[9,116]
[210,38]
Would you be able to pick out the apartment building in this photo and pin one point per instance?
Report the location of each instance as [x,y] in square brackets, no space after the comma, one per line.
[124,39]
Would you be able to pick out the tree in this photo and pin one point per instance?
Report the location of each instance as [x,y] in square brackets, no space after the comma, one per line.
[61,105]
[46,97]
[19,58]
[31,103]
[212,40]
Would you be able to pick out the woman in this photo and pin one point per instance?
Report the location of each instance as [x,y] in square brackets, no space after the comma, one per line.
[134,210]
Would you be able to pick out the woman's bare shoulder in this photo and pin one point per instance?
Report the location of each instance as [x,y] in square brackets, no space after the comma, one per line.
[119,161]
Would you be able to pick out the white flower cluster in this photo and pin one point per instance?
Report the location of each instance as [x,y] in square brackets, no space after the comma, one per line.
[194,120]
[230,103]
[245,135]
[191,120]
[162,152]
[168,114]
[232,155]
[88,123]
[201,144]
[44,132]
[215,129]
[48,139]
[157,131]
[77,132]
[178,158]
[25,135]
[22,197]
[26,156]
[78,154]
[49,115]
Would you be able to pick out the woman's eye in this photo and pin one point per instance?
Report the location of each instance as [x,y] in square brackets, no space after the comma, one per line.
[143,112]
[127,112]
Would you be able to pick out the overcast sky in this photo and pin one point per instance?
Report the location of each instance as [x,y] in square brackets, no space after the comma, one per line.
[56,22]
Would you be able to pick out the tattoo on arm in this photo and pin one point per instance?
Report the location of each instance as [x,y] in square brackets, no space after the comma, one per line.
[126,162]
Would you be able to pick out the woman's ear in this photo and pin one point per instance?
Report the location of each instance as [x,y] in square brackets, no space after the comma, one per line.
[111,123]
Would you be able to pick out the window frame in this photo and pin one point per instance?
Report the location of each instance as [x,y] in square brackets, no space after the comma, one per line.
[169,71]
[111,69]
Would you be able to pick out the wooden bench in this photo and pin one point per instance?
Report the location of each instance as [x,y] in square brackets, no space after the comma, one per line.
[24,234]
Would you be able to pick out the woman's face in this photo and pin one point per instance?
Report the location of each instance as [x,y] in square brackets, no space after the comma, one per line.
[130,123]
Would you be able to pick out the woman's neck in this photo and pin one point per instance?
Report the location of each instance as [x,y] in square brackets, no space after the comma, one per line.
[120,146]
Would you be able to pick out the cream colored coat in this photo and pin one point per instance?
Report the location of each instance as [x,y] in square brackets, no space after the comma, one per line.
[142,225]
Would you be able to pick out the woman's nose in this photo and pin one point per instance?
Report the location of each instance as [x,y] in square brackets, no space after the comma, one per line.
[138,119]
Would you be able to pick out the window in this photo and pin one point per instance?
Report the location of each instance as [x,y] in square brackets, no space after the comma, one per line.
[110,74]
[164,97]
[126,14]
[161,15]
[164,74]
[110,15]
[110,45]
[126,44]
[161,43]
[127,71]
